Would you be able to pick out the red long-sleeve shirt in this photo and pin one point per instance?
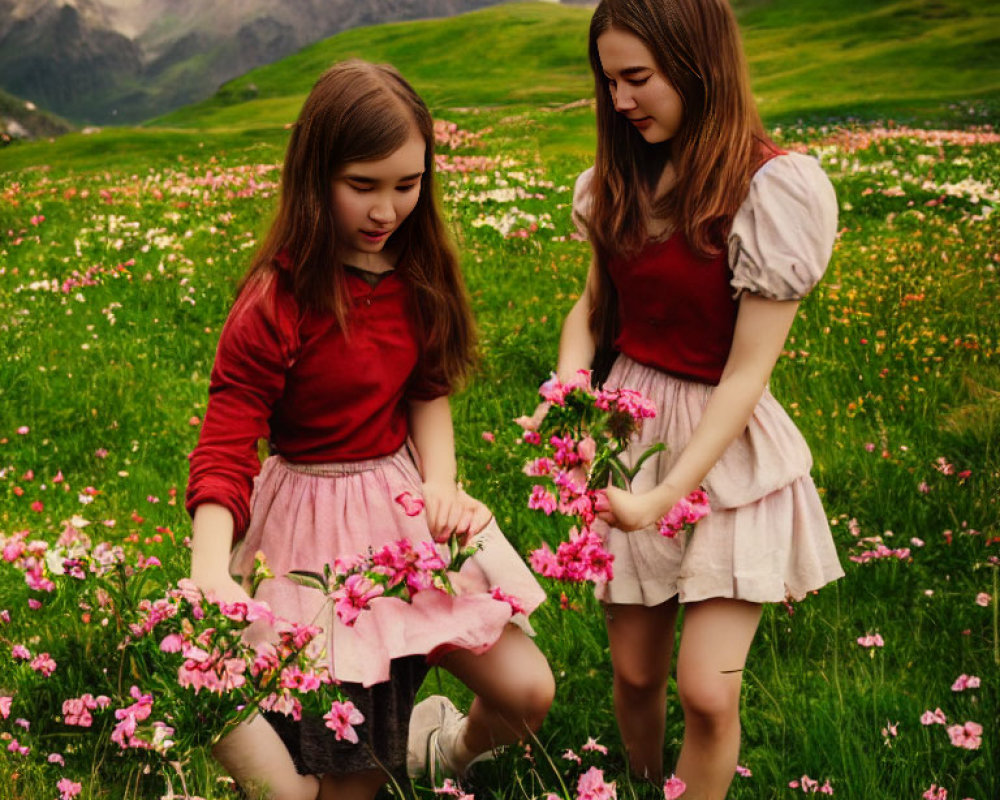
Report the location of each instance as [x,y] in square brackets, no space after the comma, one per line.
[295,379]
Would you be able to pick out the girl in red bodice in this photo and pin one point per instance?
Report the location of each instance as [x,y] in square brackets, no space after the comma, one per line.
[705,238]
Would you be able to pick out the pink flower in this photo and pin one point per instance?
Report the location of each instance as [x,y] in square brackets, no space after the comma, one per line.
[44,664]
[687,511]
[56,758]
[983,599]
[449,787]
[341,718]
[75,712]
[23,430]
[743,772]
[515,605]
[943,466]
[936,792]
[592,786]
[935,717]
[592,745]
[284,703]
[354,596]
[870,640]
[68,789]
[489,437]
[20,651]
[673,788]
[172,643]
[531,437]
[5,702]
[543,500]
[968,736]
[539,467]
[569,755]
[963,682]
[411,505]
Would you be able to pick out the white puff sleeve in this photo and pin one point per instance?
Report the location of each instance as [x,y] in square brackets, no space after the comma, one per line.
[783,234]
[583,200]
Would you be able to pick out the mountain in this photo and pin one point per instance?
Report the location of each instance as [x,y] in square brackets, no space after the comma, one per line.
[22,119]
[121,61]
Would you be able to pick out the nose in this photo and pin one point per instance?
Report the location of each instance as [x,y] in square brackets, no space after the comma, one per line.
[382,210]
[622,98]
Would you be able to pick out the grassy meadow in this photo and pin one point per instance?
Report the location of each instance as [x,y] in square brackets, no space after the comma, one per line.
[119,253]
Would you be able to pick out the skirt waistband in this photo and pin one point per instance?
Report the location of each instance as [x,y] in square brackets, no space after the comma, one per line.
[335,469]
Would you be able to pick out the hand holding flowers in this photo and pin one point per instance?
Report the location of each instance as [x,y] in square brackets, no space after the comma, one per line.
[583,433]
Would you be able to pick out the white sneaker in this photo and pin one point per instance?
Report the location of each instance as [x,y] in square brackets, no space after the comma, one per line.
[424,754]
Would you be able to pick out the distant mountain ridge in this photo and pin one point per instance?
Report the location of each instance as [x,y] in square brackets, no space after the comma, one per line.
[121,61]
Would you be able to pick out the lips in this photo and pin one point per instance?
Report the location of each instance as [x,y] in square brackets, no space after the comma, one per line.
[375,236]
[641,122]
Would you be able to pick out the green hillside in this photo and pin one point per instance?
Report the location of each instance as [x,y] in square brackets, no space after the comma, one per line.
[904,59]
[806,59]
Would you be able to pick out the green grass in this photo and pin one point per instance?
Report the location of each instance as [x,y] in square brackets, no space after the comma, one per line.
[891,365]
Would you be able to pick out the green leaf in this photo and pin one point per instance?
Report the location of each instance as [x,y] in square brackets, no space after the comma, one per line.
[311,579]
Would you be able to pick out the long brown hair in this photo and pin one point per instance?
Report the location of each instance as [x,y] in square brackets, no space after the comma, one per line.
[718,147]
[359,111]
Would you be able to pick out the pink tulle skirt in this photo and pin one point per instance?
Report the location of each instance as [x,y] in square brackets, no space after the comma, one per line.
[767,538]
[306,515]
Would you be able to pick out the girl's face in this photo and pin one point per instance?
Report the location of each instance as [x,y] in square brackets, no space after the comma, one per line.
[371,199]
[639,90]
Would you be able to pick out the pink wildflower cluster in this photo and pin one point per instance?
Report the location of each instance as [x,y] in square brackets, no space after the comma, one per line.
[963,682]
[398,569]
[968,735]
[811,785]
[592,786]
[673,788]
[463,164]
[76,710]
[582,434]
[687,511]
[68,789]
[448,134]
[581,558]
[879,553]
[131,733]
[862,139]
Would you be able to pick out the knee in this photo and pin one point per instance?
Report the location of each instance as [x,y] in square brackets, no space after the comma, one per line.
[535,698]
[710,703]
[640,680]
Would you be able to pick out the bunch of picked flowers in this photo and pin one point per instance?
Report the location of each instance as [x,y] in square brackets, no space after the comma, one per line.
[398,569]
[582,437]
[107,666]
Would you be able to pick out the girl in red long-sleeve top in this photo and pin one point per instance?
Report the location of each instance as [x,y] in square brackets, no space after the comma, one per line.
[348,333]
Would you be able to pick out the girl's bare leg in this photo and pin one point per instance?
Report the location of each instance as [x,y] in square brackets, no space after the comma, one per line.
[356,786]
[514,689]
[641,639]
[254,755]
[716,636]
